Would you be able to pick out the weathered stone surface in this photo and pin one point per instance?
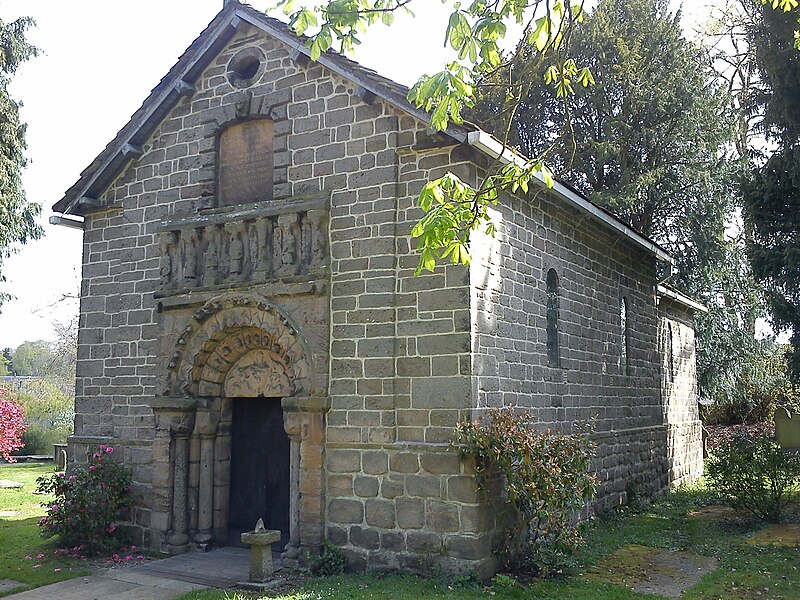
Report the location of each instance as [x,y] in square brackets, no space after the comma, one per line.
[442,516]
[345,511]
[375,462]
[462,488]
[410,513]
[440,463]
[366,487]
[404,462]
[380,513]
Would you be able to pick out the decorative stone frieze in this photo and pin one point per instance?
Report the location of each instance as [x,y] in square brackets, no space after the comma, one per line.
[253,244]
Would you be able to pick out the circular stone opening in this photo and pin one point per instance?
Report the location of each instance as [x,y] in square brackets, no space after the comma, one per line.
[245,67]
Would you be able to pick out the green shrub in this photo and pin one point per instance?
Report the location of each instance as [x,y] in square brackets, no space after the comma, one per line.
[39,438]
[755,474]
[547,480]
[330,561]
[89,502]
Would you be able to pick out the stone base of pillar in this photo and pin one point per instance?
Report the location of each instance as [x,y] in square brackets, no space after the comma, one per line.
[176,543]
[204,542]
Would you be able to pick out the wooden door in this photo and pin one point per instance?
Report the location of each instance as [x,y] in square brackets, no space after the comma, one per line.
[259,468]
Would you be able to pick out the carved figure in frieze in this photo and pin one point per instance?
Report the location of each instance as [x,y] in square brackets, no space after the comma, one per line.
[287,250]
[166,266]
[235,250]
[319,242]
[190,243]
[211,257]
[306,240]
[263,257]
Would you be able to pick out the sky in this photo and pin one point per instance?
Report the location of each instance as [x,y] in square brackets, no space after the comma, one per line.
[99,61]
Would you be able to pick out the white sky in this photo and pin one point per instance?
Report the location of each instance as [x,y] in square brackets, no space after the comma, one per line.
[100,60]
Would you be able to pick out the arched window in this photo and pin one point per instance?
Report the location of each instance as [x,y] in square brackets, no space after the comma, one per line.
[668,352]
[553,358]
[623,329]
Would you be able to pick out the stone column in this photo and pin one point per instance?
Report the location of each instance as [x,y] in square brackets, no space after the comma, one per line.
[304,420]
[222,475]
[175,421]
[178,538]
[207,420]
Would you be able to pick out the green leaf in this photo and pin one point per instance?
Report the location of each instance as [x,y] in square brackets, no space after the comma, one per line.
[303,20]
[541,34]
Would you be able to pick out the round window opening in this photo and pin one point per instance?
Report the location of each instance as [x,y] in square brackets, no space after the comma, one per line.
[245,67]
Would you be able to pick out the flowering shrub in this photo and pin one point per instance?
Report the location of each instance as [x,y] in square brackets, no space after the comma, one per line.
[89,502]
[754,473]
[547,479]
[12,425]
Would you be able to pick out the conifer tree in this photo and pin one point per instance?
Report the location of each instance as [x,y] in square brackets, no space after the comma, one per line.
[17,215]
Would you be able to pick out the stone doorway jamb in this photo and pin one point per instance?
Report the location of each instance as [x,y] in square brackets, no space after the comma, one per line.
[304,421]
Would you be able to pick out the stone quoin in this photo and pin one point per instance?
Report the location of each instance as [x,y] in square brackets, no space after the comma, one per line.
[254,342]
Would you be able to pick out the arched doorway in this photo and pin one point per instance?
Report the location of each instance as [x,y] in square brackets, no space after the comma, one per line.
[238,412]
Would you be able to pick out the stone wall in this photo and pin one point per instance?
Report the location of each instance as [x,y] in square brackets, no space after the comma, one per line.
[679,392]
[589,381]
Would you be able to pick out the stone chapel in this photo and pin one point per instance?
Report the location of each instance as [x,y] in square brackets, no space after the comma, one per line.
[254,342]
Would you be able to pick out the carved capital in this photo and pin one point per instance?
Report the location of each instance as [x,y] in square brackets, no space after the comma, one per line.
[174,415]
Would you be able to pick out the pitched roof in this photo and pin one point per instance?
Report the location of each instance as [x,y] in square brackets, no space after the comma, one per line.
[96,178]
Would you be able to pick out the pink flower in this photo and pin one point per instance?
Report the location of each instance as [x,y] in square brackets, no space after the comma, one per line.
[40,555]
[28,558]
[57,570]
[102,447]
[96,455]
[92,467]
[115,556]
[128,557]
[111,528]
[141,557]
[37,566]
[134,546]
[109,449]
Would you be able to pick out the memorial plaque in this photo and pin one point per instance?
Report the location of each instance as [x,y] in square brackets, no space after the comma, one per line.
[245,163]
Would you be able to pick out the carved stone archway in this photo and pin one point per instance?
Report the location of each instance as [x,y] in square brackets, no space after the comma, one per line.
[235,346]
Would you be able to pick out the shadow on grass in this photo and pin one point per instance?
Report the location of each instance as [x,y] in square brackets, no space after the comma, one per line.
[29,559]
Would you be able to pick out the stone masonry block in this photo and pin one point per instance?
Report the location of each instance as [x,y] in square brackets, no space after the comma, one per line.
[440,463]
[343,461]
[375,462]
[380,513]
[427,486]
[404,462]
[345,511]
[366,487]
[441,392]
[442,516]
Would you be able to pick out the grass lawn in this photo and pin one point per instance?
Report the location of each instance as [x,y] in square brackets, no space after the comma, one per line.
[19,533]
[683,521]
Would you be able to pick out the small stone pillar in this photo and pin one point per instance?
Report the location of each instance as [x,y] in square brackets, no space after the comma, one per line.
[260,541]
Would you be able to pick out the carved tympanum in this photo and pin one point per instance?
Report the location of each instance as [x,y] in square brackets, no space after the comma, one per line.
[239,345]
[260,373]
